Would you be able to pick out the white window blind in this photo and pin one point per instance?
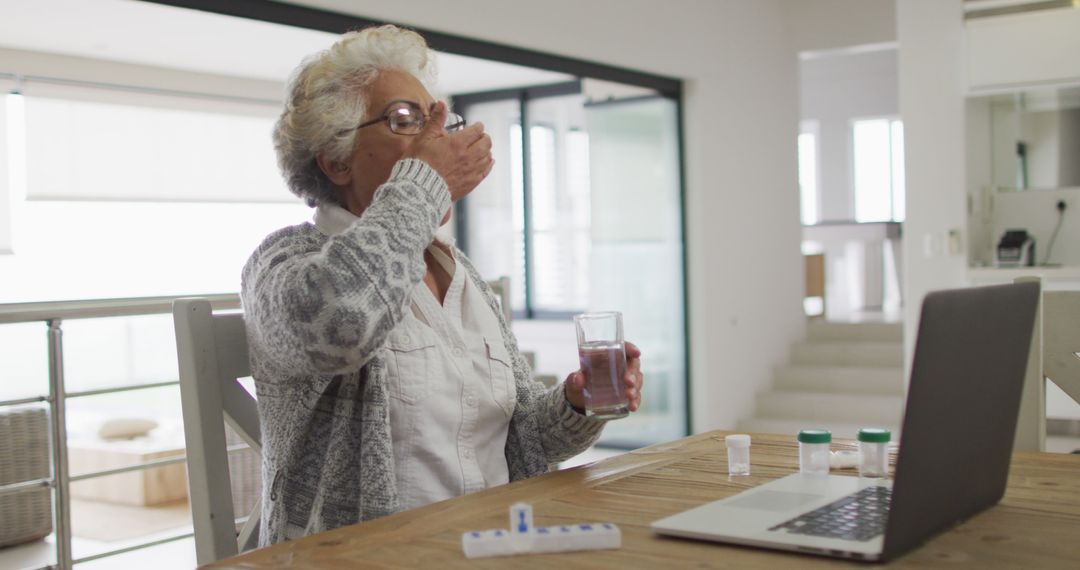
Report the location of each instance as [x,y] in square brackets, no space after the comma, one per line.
[560,199]
[92,143]
[6,86]
[495,209]
[8,175]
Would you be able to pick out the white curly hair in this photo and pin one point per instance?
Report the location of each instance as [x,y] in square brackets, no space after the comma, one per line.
[327,97]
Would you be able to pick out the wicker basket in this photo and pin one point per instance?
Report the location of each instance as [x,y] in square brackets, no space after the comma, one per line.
[24,456]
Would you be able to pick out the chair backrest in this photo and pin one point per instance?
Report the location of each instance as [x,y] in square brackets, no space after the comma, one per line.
[1054,347]
[213,355]
[501,288]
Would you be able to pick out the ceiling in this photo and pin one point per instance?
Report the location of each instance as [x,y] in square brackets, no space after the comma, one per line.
[178,38]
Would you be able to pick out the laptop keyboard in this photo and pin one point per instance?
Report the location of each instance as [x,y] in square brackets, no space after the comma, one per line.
[859,516]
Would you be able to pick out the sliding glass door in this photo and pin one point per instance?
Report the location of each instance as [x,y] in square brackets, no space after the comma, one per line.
[636,260]
[583,211]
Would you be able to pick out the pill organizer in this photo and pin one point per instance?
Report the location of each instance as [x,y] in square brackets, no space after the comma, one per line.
[524,538]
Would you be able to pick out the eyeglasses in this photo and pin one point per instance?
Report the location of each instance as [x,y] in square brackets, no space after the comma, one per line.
[406,118]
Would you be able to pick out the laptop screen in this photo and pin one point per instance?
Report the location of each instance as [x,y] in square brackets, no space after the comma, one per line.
[966,381]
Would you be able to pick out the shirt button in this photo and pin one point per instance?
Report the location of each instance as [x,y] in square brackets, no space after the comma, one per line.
[458,352]
[470,401]
[404,339]
[467,454]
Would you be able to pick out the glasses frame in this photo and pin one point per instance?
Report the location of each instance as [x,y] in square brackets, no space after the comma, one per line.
[454,121]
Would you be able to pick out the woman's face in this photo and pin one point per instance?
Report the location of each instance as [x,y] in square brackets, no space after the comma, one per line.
[378,148]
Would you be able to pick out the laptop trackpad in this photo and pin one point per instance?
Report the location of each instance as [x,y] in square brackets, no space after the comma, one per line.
[777,501]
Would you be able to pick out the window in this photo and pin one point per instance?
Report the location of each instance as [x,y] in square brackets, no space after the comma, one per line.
[122,191]
[101,144]
[808,173]
[538,235]
[878,161]
[132,192]
[561,218]
[11,178]
[491,220]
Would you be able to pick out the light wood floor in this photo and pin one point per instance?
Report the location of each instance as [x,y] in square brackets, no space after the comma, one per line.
[100,527]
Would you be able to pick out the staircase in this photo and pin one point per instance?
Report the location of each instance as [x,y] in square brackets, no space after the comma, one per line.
[843,377]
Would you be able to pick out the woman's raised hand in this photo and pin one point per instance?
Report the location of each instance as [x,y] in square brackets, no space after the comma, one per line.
[633,381]
[462,158]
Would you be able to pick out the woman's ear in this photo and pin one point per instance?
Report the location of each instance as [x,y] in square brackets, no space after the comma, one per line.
[338,172]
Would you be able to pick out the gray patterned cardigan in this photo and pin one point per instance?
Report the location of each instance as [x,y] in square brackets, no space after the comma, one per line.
[318,310]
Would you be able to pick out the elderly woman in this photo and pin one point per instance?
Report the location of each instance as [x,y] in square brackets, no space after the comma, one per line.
[386,376]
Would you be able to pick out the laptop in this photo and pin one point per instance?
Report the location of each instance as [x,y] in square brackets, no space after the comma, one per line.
[960,419]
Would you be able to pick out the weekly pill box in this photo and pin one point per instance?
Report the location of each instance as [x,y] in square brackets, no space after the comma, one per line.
[523,538]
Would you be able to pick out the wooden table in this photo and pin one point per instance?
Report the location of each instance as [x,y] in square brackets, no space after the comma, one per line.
[1036,525]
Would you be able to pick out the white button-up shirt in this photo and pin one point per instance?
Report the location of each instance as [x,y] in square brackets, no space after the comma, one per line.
[451,385]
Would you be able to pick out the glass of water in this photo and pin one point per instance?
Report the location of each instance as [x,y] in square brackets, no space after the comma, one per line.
[603,362]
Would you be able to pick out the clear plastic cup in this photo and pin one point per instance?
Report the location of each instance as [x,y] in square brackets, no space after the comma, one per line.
[814,451]
[874,452]
[738,454]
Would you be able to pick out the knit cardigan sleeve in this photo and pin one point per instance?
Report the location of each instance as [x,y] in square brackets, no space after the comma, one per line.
[329,310]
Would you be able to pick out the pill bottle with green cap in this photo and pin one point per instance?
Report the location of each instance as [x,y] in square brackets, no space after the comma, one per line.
[814,451]
[874,452]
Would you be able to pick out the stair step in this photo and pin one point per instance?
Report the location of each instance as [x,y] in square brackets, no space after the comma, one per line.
[791,427]
[842,408]
[841,379]
[848,353]
[855,331]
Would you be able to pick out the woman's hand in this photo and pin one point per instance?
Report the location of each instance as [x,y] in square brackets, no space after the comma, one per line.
[462,158]
[633,381]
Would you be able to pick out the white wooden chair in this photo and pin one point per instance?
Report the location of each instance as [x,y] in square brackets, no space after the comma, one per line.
[1055,345]
[213,354]
[501,288]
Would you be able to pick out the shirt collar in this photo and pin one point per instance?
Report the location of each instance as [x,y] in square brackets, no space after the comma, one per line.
[331,219]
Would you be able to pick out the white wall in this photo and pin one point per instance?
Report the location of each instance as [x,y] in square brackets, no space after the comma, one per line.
[830,24]
[835,90]
[746,268]
[741,117]
[931,78]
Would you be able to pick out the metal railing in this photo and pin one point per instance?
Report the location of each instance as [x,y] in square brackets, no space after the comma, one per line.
[53,314]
